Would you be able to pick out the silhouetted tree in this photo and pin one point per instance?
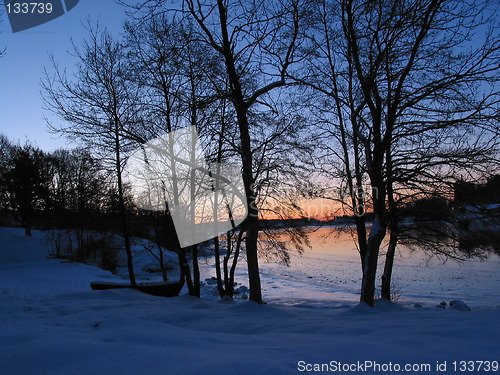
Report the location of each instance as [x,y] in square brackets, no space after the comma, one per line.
[410,100]
[101,106]
[176,73]
[256,42]
[26,179]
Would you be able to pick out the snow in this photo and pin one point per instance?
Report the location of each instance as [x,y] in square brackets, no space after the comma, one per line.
[52,323]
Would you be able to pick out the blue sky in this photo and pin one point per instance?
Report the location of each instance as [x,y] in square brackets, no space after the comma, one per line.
[21,112]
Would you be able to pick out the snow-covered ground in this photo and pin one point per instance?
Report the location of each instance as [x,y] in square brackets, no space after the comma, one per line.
[52,323]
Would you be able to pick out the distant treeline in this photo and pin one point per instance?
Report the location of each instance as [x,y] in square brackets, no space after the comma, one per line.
[479,193]
[63,189]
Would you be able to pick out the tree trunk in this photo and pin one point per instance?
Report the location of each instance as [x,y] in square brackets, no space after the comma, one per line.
[196,271]
[122,208]
[252,221]
[236,254]
[160,251]
[185,271]
[227,286]
[220,287]
[182,270]
[377,234]
[162,265]
[370,271]
[241,108]
[252,259]
[393,221]
[389,263]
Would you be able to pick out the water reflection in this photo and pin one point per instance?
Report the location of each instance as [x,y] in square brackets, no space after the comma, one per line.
[330,273]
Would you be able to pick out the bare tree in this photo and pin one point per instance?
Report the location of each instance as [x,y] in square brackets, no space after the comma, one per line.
[100,105]
[256,41]
[410,99]
[177,74]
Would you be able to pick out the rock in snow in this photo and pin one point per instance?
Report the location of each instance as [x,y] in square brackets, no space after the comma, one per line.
[459,305]
[442,305]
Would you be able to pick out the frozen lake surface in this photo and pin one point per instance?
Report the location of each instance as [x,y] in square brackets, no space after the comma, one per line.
[330,274]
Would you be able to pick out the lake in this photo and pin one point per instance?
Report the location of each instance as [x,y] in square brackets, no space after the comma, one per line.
[330,274]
